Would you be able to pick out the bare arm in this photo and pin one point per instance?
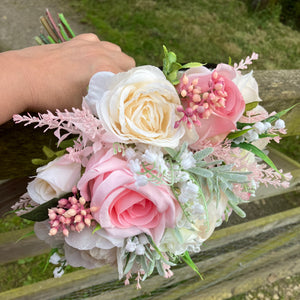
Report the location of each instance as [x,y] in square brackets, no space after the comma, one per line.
[55,76]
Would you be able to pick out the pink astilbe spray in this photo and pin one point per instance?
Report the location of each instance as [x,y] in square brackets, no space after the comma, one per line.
[79,122]
[24,205]
[243,64]
[72,214]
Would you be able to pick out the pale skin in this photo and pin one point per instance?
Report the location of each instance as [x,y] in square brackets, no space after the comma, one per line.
[55,76]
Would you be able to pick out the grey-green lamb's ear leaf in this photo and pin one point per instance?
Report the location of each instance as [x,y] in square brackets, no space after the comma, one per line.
[201,172]
[40,213]
[203,153]
[171,152]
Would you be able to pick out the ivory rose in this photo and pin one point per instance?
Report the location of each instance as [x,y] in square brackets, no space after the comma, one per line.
[54,180]
[248,87]
[222,119]
[136,106]
[124,209]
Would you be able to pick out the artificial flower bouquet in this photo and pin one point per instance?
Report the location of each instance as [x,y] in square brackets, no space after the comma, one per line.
[153,162]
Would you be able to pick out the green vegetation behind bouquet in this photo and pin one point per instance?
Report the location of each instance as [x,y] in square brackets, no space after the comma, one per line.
[204,30]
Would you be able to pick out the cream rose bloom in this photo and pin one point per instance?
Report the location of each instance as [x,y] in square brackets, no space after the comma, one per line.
[136,106]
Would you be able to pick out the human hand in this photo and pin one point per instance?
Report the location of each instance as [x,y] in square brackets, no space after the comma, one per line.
[55,76]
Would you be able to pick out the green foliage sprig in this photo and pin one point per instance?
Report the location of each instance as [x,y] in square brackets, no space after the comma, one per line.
[171,66]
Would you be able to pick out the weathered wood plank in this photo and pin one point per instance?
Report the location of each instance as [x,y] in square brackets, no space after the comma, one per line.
[251,244]
[280,89]
[13,246]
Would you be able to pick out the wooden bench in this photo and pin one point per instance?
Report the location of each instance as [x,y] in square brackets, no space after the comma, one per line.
[240,256]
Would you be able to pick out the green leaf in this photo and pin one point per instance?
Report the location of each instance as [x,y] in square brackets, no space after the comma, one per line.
[48,152]
[187,259]
[67,143]
[40,213]
[191,65]
[240,125]
[257,152]
[25,236]
[236,134]
[250,106]
[39,161]
[279,115]
[172,57]
[264,135]
[98,227]
[53,250]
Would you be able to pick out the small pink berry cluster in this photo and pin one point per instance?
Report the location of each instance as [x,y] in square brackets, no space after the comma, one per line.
[200,105]
[70,214]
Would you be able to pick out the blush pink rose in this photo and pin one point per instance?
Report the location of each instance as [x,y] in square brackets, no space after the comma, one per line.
[124,209]
[223,119]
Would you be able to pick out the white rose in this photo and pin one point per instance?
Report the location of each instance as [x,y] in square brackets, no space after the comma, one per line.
[136,106]
[54,180]
[248,87]
[91,250]
[190,240]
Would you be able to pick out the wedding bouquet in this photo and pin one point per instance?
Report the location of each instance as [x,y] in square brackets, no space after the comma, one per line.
[153,162]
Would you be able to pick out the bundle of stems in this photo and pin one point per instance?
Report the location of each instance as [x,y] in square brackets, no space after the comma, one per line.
[56,32]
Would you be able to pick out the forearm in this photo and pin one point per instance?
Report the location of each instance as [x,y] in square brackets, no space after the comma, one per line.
[15,95]
[55,76]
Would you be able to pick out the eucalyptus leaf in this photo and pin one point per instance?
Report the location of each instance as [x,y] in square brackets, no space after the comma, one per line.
[40,213]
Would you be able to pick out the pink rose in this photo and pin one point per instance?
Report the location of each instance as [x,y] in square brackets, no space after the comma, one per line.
[223,110]
[124,209]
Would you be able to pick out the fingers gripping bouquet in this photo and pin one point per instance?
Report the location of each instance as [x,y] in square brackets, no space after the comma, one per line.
[150,166]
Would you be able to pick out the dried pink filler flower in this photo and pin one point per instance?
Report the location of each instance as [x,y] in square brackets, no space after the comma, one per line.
[72,214]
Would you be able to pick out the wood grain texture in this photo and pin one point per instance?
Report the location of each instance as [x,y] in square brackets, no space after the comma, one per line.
[252,251]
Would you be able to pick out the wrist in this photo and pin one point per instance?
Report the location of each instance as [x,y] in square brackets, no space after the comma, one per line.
[14,83]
